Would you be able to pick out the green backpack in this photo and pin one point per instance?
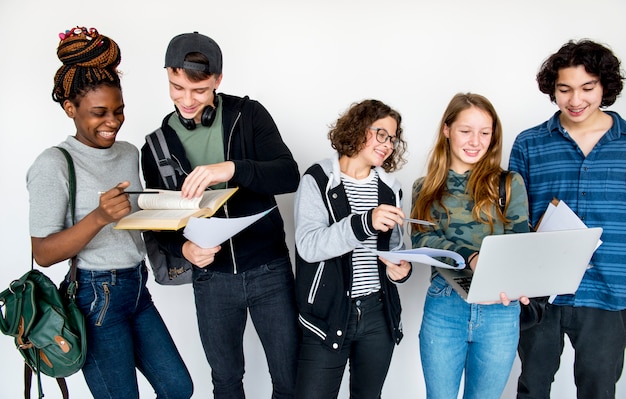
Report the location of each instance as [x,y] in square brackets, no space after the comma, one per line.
[48,328]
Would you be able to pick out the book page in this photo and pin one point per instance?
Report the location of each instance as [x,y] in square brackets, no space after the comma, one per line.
[162,214]
[167,199]
[159,219]
[171,211]
[214,199]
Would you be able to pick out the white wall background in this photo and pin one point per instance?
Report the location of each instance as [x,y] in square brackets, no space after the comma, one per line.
[306,62]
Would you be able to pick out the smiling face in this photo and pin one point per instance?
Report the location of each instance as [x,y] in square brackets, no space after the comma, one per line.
[469,137]
[98,116]
[374,153]
[192,97]
[578,95]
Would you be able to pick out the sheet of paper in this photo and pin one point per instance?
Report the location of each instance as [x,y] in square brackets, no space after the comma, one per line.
[561,217]
[424,255]
[547,215]
[211,232]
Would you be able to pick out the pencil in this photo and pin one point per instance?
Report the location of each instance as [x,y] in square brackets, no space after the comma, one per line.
[419,221]
[134,192]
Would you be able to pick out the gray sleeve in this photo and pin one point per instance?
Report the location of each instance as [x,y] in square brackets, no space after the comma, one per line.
[316,238]
[48,191]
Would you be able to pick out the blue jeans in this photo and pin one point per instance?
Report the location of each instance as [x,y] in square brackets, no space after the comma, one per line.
[223,301]
[457,337]
[124,332]
[369,346]
[598,338]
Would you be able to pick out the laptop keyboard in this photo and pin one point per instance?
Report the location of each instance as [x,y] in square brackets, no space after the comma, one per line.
[464,282]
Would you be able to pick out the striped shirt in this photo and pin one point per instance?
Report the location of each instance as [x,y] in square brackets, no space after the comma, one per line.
[363,196]
[553,166]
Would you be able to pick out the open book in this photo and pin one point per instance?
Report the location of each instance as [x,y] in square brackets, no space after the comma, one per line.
[169,211]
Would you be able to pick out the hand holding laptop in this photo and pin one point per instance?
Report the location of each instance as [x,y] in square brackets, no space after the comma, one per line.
[506,301]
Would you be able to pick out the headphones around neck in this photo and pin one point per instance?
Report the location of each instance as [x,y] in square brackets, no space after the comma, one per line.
[207,117]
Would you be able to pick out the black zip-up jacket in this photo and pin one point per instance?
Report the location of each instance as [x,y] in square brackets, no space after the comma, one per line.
[325,314]
[264,167]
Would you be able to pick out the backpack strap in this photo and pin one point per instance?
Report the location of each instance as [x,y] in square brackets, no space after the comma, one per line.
[161,153]
[72,188]
[28,372]
[503,201]
[28,377]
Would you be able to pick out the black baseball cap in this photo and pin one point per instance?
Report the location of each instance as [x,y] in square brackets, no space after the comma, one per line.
[195,42]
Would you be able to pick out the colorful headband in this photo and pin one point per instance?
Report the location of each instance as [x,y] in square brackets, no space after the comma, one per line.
[77,31]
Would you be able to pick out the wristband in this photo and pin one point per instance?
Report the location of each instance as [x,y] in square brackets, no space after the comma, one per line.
[471,257]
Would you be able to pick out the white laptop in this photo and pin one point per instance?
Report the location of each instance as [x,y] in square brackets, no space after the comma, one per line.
[526,264]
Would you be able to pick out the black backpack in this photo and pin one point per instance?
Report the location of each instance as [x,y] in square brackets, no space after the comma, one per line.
[167,269]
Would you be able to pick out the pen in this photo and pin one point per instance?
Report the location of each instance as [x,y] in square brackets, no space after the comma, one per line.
[419,221]
[134,192]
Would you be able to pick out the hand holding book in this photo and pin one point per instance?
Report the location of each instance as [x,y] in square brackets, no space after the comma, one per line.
[170,211]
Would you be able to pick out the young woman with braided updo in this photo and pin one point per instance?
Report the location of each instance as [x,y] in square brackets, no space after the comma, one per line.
[124,329]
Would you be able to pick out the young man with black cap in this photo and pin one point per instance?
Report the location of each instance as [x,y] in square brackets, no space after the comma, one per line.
[218,140]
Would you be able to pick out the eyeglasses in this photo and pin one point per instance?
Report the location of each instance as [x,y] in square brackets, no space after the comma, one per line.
[382,136]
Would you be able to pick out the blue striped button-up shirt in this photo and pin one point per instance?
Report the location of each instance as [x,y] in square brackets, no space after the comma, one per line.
[553,166]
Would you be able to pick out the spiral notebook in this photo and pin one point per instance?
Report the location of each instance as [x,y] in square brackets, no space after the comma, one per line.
[529,264]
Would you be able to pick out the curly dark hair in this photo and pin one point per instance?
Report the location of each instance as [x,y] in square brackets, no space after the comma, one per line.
[89,60]
[597,59]
[349,134]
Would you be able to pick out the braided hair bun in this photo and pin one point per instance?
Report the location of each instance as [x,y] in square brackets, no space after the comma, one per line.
[89,60]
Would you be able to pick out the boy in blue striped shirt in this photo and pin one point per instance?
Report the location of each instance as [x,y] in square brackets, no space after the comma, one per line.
[579,156]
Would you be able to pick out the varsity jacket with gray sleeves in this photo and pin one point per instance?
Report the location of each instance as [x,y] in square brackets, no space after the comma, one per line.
[326,234]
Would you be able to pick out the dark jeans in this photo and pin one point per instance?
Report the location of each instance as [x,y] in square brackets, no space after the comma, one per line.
[368,345]
[223,301]
[124,332]
[598,338]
